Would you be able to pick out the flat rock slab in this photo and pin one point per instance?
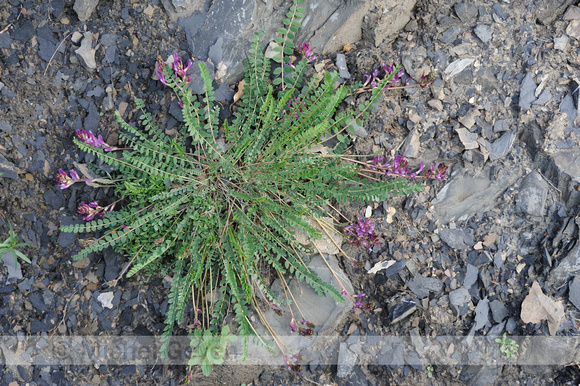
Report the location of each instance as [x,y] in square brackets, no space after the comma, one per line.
[456,238]
[421,286]
[466,194]
[531,198]
[569,266]
[7,169]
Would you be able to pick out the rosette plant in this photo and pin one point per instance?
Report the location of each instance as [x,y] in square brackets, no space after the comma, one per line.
[216,206]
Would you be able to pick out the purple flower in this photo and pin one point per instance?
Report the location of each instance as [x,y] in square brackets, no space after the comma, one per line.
[277,309]
[64,181]
[308,52]
[426,80]
[362,234]
[293,362]
[398,167]
[89,138]
[344,293]
[437,171]
[93,209]
[178,67]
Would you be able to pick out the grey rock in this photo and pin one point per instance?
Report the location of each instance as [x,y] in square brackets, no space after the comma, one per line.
[45,324]
[412,148]
[466,12]
[7,169]
[569,266]
[216,51]
[497,260]
[341,65]
[498,310]
[402,310]
[481,314]
[450,35]
[544,98]
[54,200]
[112,264]
[456,67]
[196,85]
[421,286]
[13,266]
[417,341]
[500,125]
[456,238]
[574,292]
[502,146]
[548,10]
[23,32]
[109,40]
[567,106]
[359,130]
[470,276]
[37,302]
[5,40]
[499,11]
[91,121]
[459,297]
[223,93]
[483,32]
[5,127]
[86,52]
[494,332]
[377,27]
[527,92]
[84,8]
[346,361]
[532,196]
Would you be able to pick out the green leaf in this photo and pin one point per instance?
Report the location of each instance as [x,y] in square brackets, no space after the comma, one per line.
[290,43]
[300,9]
[290,35]
[359,122]
[277,58]
[286,21]
[288,50]
[277,81]
[277,71]
[299,15]
[279,40]
[282,31]
[296,23]
[206,368]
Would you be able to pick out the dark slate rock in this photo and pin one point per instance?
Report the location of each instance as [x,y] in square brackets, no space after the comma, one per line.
[470,276]
[501,147]
[5,126]
[98,92]
[54,200]
[23,32]
[175,110]
[12,265]
[531,198]
[574,292]
[84,8]
[346,361]
[216,51]
[500,125]
[109,39]
[7,169]
[450,35]
[5,40]
[68,238]
[466,12]
[57,7]
[499,11]
[45,324]
[92,119]
[456,238]
[395,268]
[37,301]
[527,92]
[498,311]
[497,260]
[196,85]
[567,106]
[421,286]
[478,258]
[481,314]
[483,32]
[459,297]
[402,310]
[11,61]
[223,93]
[544,98]
[112,264]
[357,378]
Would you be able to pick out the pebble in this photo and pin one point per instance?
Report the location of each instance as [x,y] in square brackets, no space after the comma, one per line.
[346,361]
[456,238]
[481,314]
[359,130]
[483,32]
[459,297]
[573,29]
[23,32]
[450,35]
[467,12]
[12,265]
[421,286]
[527,92]
[532,196]
[498,310]
[544,98]
[457,66]
[341,65]
[216,51]
[86,54]
[574,292]
[502,146]
[7,169]
[412,148]
[561,43]
[470,276]
[84,8]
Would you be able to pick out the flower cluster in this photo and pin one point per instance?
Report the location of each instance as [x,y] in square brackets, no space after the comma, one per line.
[397,167]
[361,233]
[293,104]
[63,179]
[372,81]
[293,362]
[303,331]
[307,52]
[93,209]
[426,80]
[178,67]
[277,309]
[89,138]
[366,306]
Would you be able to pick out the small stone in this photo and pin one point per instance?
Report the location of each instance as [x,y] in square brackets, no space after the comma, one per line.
[76,37]
[450,35]
[346,361]
[572,13]
[216,51]
[13,266]
[483,32]
[468,138]
[7,169]
[436,104]
[421,286]
[538,307]
[149,10]
[467,12]
[468,120]
[459,297]
[561,43]
[412,147]
[342,68]
[470,276]
[527,92]
[502,146]
[84,8]
[359,130]
[498,311]
[457,66]
[106,299]
[532,196]
[544,98]
[402,310]
[86,54]
[481,314]
[456,238]
[574,292]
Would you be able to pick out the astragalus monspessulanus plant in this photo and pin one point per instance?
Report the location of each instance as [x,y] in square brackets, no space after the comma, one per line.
[216,205]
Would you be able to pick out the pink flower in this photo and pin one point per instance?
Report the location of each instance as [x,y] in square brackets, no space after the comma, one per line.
[93,209]
[89,138]
[64,181]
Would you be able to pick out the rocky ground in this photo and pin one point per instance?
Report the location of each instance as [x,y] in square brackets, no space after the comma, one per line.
[458,260]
